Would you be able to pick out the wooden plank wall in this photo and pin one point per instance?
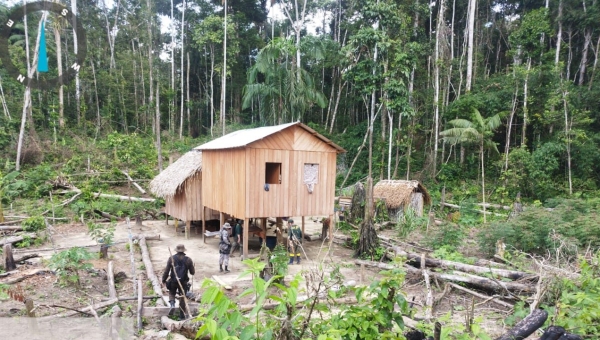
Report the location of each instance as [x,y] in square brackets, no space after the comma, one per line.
[224,180]
[192,190]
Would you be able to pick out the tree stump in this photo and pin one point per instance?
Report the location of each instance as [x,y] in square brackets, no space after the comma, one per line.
[527,326]
[104,251]
[8,260]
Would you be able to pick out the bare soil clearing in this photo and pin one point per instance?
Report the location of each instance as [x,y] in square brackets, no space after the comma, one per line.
[45,290]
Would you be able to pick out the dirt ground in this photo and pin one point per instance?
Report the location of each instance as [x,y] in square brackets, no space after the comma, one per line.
[46,292]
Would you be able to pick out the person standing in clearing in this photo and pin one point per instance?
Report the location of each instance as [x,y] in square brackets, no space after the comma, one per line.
[224,247]
[294,241]
[178,267]
[238,237]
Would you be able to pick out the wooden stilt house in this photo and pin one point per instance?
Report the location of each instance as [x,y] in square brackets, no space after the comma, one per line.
[180,184]
[275,171]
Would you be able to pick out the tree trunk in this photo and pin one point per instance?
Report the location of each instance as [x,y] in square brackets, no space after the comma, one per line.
[110,277]
[224,75]
[150,68]
[525,109]
[436,95]
[559,34]
[471,46]
[586,47]
[61,101]
[567,138]
[212,91]
[158,143]
[182,69]
[77,82]
[481,150]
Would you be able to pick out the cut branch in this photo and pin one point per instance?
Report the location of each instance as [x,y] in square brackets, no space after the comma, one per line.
[137,186]
[84,310]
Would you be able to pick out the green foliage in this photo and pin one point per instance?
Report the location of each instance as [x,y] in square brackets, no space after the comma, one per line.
[371,318]
[102,234]
[410,222]
[447,234]
[566,224]
[68,263]
[279,260]
[579,311]
[34,223]
[449,253]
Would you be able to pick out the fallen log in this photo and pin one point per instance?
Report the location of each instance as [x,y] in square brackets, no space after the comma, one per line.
[110,277]
[27,257]
[299,301]
[221,282]
[477,281]
[527,326]
[482,296]
[150,274]
[83,310]
[129,298]
[15,239]
[488,263]
[137,186]
[11,228]
[24,275]
[106,215]
[6,223]
[147,237]
[431,262]
[187,328]
[119,197]
[140,302]
[164,311]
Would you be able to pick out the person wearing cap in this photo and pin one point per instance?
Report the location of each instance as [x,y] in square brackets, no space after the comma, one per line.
[294,240]
[224,247]
[178,267]
[238,236]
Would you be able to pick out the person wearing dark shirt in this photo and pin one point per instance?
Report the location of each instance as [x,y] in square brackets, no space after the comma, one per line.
[178,267]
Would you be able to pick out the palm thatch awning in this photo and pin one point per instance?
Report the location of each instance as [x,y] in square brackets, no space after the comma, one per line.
[397,193]
[170,180]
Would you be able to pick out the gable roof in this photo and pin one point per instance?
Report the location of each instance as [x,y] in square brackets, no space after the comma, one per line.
[241,138]
[167,183]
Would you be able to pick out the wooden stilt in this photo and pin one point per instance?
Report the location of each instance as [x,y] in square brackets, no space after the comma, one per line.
[331,224]
[245,237]
[204,224]
[221,219]
[279,226]
[303,233]
[188,225]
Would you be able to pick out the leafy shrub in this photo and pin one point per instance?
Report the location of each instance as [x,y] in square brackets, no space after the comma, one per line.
[447,234]
[579,311]
[410,221]
[565,224]
[68,263]
[34,223]
[102,234]
[449,253]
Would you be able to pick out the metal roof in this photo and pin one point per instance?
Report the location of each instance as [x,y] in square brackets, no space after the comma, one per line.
[241,138]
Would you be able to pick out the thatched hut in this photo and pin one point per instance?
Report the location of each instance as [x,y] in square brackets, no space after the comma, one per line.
[180,184]
[400,195]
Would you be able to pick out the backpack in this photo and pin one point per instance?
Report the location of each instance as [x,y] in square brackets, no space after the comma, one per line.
[180,269]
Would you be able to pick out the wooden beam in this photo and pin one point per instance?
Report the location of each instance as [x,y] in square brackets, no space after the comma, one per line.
[84,310]
[221,282]
[279,227]
[188,225]
[140,303]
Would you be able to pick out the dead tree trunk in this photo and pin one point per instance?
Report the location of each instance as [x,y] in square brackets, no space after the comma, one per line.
[9,261]
[110,275]
[150,270]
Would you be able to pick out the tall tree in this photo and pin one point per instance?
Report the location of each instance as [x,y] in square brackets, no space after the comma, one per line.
[478,130]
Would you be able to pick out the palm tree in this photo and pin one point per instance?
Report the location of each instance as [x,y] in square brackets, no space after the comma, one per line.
[479,130]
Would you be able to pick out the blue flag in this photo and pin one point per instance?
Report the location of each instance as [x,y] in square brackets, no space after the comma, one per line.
[43,55]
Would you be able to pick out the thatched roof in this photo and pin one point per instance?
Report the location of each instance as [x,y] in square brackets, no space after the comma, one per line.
[168,182]
[397,193]
[241,138]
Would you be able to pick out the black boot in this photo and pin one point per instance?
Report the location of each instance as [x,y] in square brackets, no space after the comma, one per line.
[172,310]
[181,314]
[291,260]
[221,268]
[226,270]
[297,259]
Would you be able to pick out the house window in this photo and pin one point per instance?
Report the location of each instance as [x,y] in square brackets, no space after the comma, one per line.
[273,173]
[311,176]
